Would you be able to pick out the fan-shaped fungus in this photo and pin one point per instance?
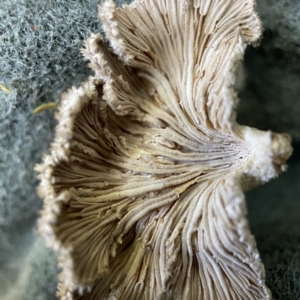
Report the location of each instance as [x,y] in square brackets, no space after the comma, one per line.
[143,190]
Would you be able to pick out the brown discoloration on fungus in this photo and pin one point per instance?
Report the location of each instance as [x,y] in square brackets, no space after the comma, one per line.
[143,190]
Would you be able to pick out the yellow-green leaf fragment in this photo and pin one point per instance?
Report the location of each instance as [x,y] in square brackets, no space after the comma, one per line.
[46,106]
[4,89]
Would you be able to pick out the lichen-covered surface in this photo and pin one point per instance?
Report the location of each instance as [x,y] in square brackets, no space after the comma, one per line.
[274,219]
[24,136]
[274,69]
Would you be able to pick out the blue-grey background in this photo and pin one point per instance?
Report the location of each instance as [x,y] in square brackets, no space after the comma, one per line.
[39,59]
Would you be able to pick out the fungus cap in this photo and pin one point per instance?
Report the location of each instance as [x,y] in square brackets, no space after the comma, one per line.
[143,190]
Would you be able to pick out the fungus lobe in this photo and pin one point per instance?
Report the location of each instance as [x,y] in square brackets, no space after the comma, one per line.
[143,190]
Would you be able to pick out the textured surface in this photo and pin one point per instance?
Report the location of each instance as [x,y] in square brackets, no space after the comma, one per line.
[30,274]
[274,218]
[274,70]
[47,71]
[37,64]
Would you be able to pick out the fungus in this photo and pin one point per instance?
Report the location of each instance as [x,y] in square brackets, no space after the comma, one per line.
[144,188]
